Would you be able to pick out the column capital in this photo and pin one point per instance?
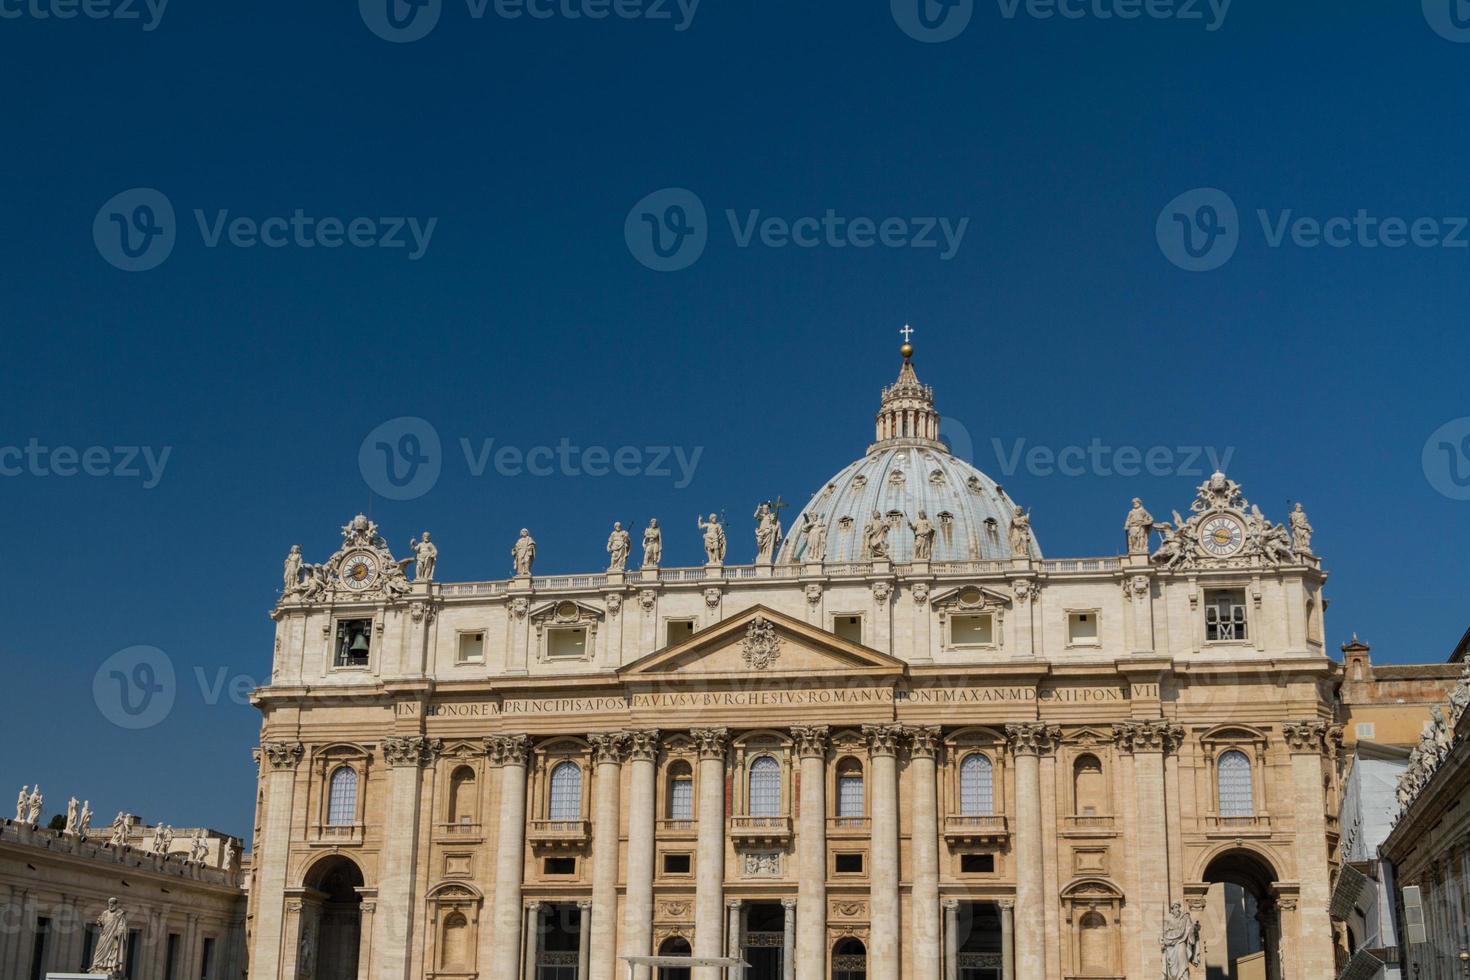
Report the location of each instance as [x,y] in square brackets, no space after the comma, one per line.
[608,748]
[1148,736]
[811,741]
[734,903]
[643,745]
[883,739]
[411,750]
[924,741]
[1304,737]
[710,742]
[788,903]
[584,903]
[1032,738]
[283,755]
[950,904]
[533,906]
[1006,904]
[508,750]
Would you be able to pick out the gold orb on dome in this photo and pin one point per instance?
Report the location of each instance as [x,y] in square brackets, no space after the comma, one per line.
[907,350]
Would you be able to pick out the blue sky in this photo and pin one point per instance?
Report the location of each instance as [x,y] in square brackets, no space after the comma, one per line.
[1057,315]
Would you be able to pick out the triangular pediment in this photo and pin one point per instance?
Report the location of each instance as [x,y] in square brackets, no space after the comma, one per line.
[760,641]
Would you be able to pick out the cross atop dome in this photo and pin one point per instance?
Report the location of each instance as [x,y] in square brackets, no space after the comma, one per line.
[907,350]
[906,415]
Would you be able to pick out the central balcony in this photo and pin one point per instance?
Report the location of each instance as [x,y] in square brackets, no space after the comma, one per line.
[849,826]
[976,830]
[559,835]
[760,831]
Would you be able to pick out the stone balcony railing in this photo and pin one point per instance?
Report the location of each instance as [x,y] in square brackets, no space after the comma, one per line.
[1088,823]
[1249,825]
[849,826]
[559,835]
[974,830]
[748,831]
[334,834]
[678,828]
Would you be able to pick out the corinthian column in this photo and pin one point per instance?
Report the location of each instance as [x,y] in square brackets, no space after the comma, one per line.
[1028,741]
[406,758]
[1148,741]
[709,884]
[925,932]
[1307,741]
[608,749]
[509,753]
[278,762]
[883,955]
[811,854]
[638,901]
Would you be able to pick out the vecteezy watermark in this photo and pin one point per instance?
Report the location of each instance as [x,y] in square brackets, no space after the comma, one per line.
[403,458]
[137,687]
[1446,459]
[1200,229]
[933,21]
[136,230]
[1450,19]
[669,229]
[404,21]
[1099,459]
[148,13]
[123,462]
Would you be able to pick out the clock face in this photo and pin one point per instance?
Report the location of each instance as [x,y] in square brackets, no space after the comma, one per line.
[1222,536]
[359,571]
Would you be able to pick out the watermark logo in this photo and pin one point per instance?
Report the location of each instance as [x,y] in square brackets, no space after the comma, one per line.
[932,21]
[1450,19]
[667,230]
[135,687]
[1098,458]
[147,12]
[1199,230]
[135,230]
[1446,459]
[401,21]
[402,458]
[145,463]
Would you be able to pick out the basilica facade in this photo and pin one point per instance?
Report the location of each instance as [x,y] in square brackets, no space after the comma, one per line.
[900,745]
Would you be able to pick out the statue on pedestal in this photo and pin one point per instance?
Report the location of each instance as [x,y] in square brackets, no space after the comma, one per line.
[816,538]
[1180,943]
[33,811]
[714,540]
[23,804]
[1301,531]
[653,544]
[110,953]
[71,816]
[767,534]
[1138,526]
[619,544]
[875,537]
[1020,534]
[119,835]
[292,572]
[426,556]
[923,537]
[523,553]
[84,822]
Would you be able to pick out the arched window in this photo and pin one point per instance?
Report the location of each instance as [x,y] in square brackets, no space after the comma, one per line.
[455,942]
[849,788]
[462,796]
[977,789]
[342,797]
[765,787]
[849,960]
[681,791]
[566,792]
[1234,775]
[1088,791]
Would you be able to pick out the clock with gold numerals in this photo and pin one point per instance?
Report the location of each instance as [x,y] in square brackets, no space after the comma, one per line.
[359,570]
[1222,535]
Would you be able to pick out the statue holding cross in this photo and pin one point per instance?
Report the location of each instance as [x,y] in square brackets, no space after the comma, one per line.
[767,531]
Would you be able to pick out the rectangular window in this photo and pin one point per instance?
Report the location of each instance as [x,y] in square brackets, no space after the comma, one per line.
[847,864]
[972,631]
[171,957]
[1082,629]
[681,800]
[977,864]
[354,642]
[848,627]
[678,630]
[676,864]
[206,964]
[566,644]
[1364,729]
[1224,615]
[560,866]
[471,648]
[850,796]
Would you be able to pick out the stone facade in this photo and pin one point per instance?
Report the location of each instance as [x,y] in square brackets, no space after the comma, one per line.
[986,764]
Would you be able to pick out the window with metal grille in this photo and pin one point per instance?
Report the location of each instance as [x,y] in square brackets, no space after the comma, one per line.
[566,792]
[1235,785]
[977,791]
[1225,614]
[681,794]
[342,797]
[850,790]
[765,787]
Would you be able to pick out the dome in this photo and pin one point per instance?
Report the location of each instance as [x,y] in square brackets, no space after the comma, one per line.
[906,471]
